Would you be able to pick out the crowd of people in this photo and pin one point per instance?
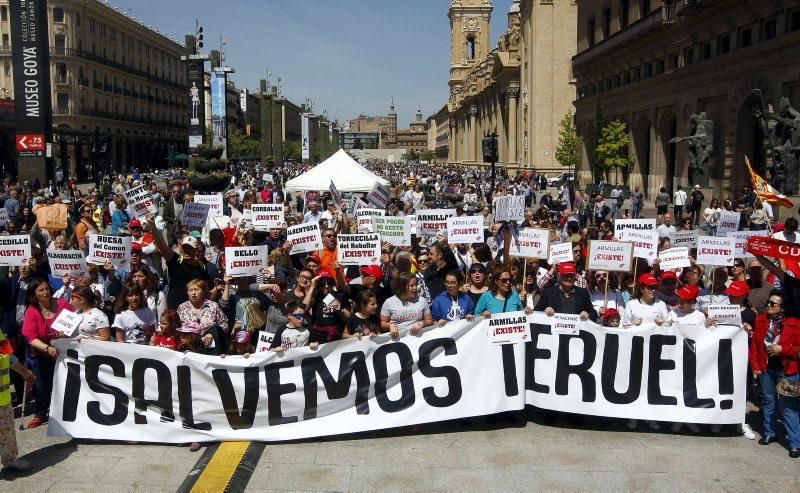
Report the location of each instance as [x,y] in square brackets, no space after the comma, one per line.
[174,291]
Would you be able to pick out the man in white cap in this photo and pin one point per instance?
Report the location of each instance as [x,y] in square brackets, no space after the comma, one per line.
[181,268]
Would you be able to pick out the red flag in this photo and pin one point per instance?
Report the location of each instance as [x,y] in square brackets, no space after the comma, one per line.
[764,190]
[770,247]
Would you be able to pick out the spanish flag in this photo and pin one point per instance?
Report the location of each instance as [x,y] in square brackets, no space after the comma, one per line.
[764,190]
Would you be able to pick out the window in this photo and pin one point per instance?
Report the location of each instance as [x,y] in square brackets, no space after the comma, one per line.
[769,29]
[688,56]
[627,78]
[606,23]
[6,41]
[674,60]
[92,25]
[624,13]
[723,44]
[744,37]
[7,69]
[62,103]
[648,70]
[58,14]
[590,31]
[4,13]
[60,44]
[645,7]
[470,50]
[794,20]
[78,19]
[705,50]
[61,73]
[660,66]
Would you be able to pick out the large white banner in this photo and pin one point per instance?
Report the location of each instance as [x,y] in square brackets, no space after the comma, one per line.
[103,390]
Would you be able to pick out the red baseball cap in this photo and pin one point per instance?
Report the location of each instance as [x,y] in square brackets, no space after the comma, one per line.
[567,268]
[610,312]
[372,270]
[690,292]
[739,289]
[136,246]
[648,280]
[667,274]
[135,223]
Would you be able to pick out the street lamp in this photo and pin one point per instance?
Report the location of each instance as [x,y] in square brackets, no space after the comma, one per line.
[490,155]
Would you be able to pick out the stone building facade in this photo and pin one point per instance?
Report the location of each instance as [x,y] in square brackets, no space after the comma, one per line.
[652,64]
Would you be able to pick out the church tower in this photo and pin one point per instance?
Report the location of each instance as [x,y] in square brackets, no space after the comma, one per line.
[391,134]
[469,37]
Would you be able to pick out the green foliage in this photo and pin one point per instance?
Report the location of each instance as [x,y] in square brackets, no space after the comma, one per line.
[611,151]
[241,145]
[357,143]
[411,155]
[292,150]
[599,122]
[568,151]
[426,155]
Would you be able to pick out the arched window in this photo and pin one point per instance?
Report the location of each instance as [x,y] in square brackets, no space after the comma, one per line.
[58,14]
[470,48]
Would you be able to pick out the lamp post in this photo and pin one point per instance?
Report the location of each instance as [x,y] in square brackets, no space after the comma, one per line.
[490,155]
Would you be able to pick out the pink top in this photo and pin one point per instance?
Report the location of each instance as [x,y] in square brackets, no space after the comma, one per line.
[35,326]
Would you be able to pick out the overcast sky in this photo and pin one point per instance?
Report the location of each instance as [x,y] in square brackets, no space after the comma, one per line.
[348,56]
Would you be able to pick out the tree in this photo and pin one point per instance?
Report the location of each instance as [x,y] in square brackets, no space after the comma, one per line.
[426,155]
[568,151]
[243,146]
[357,143]
[371,143]
[612,150]
[411,155]
[292,150]
[599,123]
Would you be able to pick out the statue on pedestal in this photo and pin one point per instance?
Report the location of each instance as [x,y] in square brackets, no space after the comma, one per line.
[782,133]
[700,146]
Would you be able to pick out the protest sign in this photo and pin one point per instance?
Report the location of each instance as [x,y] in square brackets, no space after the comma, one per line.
[531,243]
[563,323]
[509,208]
[560,252]
[195,214]
[364,216]
[685,238]
[15,250]
[412,223]
[674,258]
[267,216]
[335,195]
[623,226]
[214,202]
[67,322]
[246,221]
[465,229]
[509,328]
[264,341]
[645,244]
[393,230]
[770,247]
[725,314]
[359,249]
[141,202]
[304,238]
[432,221]
[245,261]
[3,216]
[379,195]
[268,178]
[614,256]
[728,222]
[304,393]
[116,249]
[741,237]
[53,218]
[715,250]
[70,263]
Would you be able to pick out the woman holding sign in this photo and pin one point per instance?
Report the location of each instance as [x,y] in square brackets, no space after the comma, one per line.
[406,309]
[500,298]
[37,328]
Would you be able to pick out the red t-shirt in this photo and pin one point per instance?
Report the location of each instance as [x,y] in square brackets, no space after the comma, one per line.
[169,342]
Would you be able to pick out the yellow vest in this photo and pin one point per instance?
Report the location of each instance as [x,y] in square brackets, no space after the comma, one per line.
[5,377]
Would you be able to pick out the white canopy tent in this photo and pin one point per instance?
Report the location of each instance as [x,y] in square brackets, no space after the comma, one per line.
[344,171]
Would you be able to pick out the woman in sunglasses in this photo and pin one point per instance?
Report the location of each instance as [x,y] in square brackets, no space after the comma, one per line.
[500,298]
[294,333]
[603,291]
[476,284]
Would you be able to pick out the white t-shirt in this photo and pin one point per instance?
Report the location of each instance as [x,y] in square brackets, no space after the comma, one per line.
[291,338]
[404,314]
[712,215]
[92,320]
[135,323]
[680,197]
[648,313]
[782,236]
[694,318]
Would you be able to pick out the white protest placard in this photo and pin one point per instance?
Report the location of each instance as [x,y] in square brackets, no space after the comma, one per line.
[15,250]
[713,250]
[509,208]
[3,216]
[195,214]
[245,261]
[614,256]
[304,238]
[67,322]
[246,221]
[509,328]
[560,252]
[563,323]
[725,314]
[335,195]
[70,263]
[623,226]
[116,249]
[686,238]
[379,195]
[741,238]
[267,216]
[359,249]
[141,201]
[674,258]
[268,178]
[214,202]
[531,243]
[393,230]
[364,216]
[465,229]
[728,222]
[432,221]
[264,341]
[412,223]
[645,244]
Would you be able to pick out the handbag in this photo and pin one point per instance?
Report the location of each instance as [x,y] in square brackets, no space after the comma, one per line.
[255,318]
[788,388]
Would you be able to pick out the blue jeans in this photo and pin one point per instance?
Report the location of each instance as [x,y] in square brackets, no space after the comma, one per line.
[43,367]
[791,417]
[770,403]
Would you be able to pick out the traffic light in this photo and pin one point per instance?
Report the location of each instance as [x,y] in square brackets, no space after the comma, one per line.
[198,35]
[490,150]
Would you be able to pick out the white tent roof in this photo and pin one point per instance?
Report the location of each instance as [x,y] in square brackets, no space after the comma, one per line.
[344,171]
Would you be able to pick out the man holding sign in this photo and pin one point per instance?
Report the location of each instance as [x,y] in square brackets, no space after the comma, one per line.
[566,297]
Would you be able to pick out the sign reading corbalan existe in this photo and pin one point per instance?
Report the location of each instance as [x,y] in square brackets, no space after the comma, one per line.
[465,229]
[393,230]
[114,249]
[304,238]
[245,261]
[509,328]
[70,263]
[715,251]
[140,200]
[359,249]
[15,250]
[143,393]
[623,226]
[195,214]
[615,256]
[531,243]
[432,221]
[267,216]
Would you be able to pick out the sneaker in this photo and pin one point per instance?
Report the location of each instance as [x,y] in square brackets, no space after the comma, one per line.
[693,427]
[632,424]
[654,425]
[194,447]
[36,421]
[716,428]
[17,465]
[676,427]
[747,432]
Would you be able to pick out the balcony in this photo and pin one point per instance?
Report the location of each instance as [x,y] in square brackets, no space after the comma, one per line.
[652,21]
[688,7]
[83,81]
[113,64]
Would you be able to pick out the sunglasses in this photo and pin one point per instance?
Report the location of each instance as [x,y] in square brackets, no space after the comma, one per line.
[330,236]
[504,279]
[298,316]
[424,261]
[772,303]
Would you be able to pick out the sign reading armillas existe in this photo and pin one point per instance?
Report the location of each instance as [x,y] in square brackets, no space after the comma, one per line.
[30,59]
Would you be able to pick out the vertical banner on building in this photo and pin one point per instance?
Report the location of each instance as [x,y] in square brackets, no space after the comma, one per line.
[306,137]
[218,109]
[197,102]
[30,58]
